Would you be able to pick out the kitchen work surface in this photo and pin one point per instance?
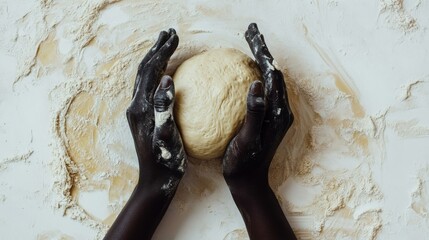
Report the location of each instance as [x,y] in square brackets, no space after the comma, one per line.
[354,165]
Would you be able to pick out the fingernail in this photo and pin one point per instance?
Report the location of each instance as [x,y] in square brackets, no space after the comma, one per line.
[256,88]
[165,82]
[162,33]
[253,25]
[172,31]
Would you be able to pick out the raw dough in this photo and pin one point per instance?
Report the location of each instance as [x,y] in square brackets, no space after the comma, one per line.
[211,92]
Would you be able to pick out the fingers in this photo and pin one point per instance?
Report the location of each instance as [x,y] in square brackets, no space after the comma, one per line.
[278,115]
[151,72]
[259,48]
[161,57]
[247,144]
[154,69]
[167,142]
[163,37]
[275,89]
[172,31]
[265,62]
[250,131]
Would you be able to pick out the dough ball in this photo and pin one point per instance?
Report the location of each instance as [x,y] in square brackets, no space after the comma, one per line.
[211,93]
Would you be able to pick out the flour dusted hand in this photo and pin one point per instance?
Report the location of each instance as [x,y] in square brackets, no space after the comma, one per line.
[150,116]
[268,118]
[160,152]
[249,154]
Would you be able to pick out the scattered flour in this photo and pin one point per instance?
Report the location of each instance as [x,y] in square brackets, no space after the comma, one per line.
[17,158]
[345,190]
[396,16]
[420,196]
[237,234]
[94,150]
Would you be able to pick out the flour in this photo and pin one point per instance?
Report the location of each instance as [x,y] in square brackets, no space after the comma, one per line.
[408,89]
[17,158]
[237,234]
[323,171]
[396,16]
[165,153]
[420,196]
[346,192]
[162,117]
[411,129]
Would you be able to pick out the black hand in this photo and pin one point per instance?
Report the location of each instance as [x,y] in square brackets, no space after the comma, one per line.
[162,159]
[249,154]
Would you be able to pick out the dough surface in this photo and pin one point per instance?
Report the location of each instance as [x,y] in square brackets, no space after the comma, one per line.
[211,91]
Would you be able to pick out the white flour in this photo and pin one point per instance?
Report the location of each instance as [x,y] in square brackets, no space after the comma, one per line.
[331,173]
[397,16]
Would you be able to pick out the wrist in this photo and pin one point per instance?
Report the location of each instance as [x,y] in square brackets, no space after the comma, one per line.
[244,188]
[158,186]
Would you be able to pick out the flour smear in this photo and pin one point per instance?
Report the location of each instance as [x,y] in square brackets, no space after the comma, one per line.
[358,125]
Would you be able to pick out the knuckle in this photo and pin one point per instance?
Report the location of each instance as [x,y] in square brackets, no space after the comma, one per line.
[256,104]
[135,112]
[285,119]
[152,64]
[164,131]
[171,156]
[161,100]
[131,111]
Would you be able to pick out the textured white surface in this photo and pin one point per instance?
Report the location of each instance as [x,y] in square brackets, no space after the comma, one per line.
[360,66]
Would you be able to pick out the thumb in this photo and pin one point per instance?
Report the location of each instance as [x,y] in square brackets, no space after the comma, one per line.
[250,131]
[167,143]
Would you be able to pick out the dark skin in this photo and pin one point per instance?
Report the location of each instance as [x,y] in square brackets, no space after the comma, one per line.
[249,154]
[162,159]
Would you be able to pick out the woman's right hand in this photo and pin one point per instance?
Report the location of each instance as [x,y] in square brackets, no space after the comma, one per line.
[249,154]
[162,158]
[161,155]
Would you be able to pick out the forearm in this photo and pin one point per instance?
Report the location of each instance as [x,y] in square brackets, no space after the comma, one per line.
[261,212]
[142,213]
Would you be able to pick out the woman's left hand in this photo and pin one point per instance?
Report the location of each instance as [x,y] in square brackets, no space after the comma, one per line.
[162,158]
